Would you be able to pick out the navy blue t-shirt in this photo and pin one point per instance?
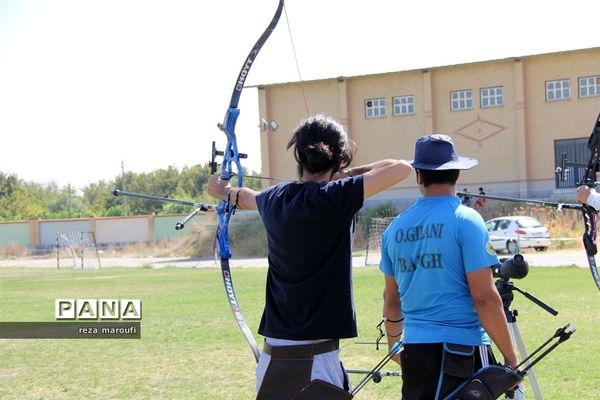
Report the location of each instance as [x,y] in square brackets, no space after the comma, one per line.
[309,281]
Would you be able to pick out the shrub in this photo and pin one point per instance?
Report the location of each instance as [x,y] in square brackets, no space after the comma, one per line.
[247,238]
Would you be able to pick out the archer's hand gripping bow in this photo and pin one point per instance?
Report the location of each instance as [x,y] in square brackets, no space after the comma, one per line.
[231,157]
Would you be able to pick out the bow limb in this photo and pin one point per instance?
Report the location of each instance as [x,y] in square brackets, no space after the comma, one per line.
[590,214]
[590,217]
[231,161]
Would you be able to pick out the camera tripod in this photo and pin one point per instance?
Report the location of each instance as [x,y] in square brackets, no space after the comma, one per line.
[505,288]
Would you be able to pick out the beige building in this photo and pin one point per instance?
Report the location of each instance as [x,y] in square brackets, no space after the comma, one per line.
[517,116]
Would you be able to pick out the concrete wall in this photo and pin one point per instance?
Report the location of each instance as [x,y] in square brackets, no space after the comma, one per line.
[107,231]
[14,233]
[49,228]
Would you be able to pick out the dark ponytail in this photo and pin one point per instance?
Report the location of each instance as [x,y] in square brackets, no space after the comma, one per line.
[320,144]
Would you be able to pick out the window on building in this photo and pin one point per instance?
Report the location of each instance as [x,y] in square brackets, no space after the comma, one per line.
[492,96]
[589,86]
[558,90]
[461,100]
[375,108]
[404,105]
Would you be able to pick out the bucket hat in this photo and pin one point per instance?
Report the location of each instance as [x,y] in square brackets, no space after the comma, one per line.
[437,152]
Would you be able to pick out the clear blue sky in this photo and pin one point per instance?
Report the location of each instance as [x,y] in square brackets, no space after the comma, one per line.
[88,84]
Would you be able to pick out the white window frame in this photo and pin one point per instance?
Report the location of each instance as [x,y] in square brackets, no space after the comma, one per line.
[375,108]
[491,97]
[403,105]
[557,90]
[461,100]
[589,86]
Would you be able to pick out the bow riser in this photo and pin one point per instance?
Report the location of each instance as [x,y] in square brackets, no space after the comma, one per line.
[231,154]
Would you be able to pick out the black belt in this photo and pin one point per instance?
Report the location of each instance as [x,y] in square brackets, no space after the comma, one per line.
[301,351]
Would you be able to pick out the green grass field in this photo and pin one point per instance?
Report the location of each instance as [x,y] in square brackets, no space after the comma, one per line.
[191,347]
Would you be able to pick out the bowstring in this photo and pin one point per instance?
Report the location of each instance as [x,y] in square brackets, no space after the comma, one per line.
[287,21]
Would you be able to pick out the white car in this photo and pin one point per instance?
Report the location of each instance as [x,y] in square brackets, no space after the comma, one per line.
[517,232]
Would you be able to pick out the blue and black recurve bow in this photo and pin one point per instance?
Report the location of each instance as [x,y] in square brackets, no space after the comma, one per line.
[231,158]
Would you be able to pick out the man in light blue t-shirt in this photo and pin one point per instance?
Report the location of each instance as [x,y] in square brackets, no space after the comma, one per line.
[439,288]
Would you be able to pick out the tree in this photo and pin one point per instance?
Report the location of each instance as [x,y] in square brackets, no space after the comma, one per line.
[8,184]
[98,197]
[25,200]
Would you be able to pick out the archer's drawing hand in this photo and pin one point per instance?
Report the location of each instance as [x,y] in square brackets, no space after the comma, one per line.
[583,193]
[218,188]
[340,175]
